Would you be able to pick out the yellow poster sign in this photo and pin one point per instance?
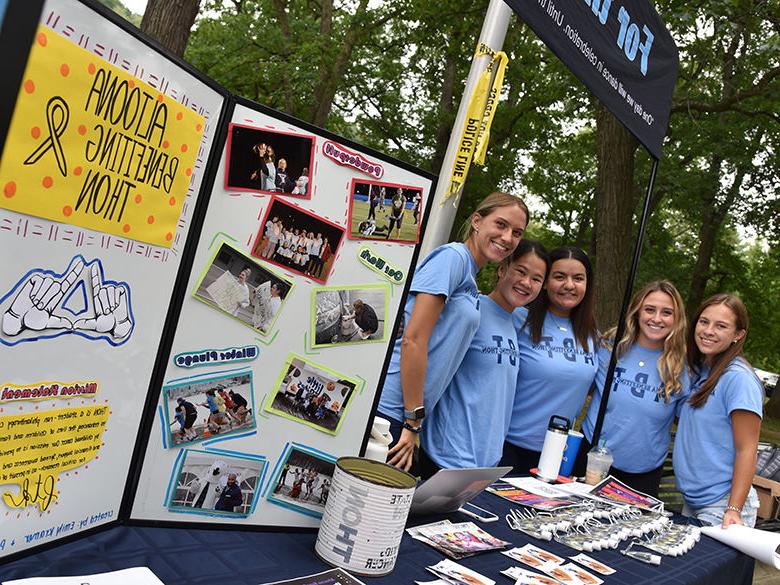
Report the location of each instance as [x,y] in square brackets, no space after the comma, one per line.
[90,145]
[35,448]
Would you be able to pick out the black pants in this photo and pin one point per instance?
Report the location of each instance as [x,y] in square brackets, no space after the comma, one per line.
[647,482]
[522,460]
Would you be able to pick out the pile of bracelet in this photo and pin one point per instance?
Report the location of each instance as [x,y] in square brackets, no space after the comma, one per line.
[593,526]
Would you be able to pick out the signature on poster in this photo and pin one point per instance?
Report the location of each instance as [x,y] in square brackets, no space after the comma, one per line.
[44,304]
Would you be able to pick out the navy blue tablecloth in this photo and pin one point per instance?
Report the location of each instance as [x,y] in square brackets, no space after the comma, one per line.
[181,556]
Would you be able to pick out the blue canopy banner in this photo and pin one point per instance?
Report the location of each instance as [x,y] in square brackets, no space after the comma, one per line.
[620,50]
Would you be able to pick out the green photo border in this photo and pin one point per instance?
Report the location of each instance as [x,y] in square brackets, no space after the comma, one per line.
[338,376]
[253,262]
[313,316]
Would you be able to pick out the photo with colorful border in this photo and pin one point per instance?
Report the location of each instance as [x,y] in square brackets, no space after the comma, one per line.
[376,209]
[287,238]
[311,394]
[249,166]
[349,314]
[209,406]
[201,483]
[255,298]
[301,480]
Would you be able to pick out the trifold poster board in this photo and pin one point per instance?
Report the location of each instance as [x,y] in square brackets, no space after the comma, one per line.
[198,295]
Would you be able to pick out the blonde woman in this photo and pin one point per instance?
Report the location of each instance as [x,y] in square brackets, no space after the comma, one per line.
[441,317]
[648,389]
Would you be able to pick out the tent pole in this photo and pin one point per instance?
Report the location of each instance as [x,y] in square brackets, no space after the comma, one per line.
[621,326]
[437,230]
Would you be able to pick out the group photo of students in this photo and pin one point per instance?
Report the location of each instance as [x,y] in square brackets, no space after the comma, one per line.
[475,375]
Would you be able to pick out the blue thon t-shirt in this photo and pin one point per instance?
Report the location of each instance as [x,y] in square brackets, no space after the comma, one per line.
[554,378]
[638,422]
[468,425]
[448,271]
[704,449]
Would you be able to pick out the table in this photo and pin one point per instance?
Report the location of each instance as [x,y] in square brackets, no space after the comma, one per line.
[181,556]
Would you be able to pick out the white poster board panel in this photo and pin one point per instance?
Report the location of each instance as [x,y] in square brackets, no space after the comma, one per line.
[307,365]
[82,315]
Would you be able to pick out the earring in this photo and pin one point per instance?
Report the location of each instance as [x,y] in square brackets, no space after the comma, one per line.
[735,341]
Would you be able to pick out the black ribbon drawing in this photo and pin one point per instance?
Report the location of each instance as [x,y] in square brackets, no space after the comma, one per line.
[57,116]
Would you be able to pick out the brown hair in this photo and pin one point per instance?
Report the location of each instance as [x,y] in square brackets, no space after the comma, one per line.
[721,361]
[583,321]
[488,205]
[672,361]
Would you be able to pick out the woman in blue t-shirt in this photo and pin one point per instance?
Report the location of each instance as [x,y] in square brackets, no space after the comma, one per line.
[441,316]
[717,436]
[649,386]
[557,339]
[468,425]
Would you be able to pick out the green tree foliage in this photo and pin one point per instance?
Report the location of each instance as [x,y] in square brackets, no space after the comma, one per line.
[391,74]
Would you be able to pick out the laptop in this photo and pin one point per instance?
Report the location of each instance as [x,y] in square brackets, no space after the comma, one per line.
[449,489]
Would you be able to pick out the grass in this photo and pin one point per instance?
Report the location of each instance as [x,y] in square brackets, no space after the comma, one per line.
[770,430]
[409,229]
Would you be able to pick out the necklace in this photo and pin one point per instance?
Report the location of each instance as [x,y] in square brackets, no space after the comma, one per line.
[558,323]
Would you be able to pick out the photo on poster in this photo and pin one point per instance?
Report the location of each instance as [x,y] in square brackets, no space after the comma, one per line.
[298,240]
[219,483]
[302,481]
[240,286]
[311,394]
[384,211]
[349,314]
[269,161]
[203,408]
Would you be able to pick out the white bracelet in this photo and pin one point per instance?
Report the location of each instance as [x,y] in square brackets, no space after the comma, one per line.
[736,509]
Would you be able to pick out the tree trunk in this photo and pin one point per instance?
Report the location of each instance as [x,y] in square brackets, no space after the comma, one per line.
[446,107]
[169,22]
[708,232]
[332,73]
[613,230]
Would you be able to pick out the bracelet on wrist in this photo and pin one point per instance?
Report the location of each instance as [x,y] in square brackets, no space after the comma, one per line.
[736,509]
[416,430]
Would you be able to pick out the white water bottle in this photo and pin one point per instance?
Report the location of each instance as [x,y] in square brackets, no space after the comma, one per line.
[379,440]
[552,451]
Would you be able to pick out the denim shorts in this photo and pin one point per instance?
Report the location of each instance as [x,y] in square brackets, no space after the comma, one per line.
[712,515]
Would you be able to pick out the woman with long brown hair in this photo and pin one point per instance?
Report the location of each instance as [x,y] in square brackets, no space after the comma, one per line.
[558,358]
[650,383]
[717,436]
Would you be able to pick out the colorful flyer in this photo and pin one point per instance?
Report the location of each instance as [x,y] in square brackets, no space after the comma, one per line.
[93,146]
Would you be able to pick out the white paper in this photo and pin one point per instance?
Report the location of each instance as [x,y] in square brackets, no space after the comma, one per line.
[535,486]
[759,544]
[134,576]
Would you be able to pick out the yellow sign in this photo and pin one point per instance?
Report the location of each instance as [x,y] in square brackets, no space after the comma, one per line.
[479,117]
[35,448]
[90,145]
[48,390]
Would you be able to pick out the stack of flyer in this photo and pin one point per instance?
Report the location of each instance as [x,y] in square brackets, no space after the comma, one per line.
[556,570]
[457,541]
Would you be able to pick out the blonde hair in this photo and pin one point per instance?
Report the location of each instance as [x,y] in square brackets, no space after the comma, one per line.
[673,359]
[488,205]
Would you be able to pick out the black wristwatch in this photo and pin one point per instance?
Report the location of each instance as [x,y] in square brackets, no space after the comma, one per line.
[415,414]
[416,430]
